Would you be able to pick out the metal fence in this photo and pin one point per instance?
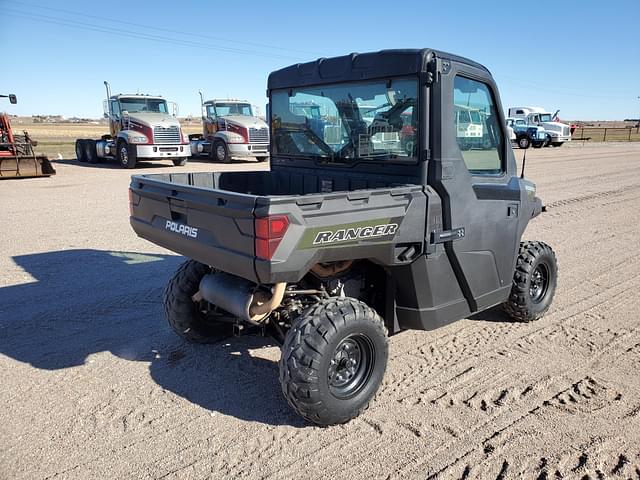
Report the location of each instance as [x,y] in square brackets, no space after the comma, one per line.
[607,134]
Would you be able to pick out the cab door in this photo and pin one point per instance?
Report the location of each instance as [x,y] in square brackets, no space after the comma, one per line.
[477,183]
[210,123]
[114,119]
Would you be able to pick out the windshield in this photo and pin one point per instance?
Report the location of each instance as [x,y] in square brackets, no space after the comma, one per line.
[374,120]
[134,105]
[546,117]
[225,109]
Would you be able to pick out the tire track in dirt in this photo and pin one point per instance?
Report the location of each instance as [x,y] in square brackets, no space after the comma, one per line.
[592,196]
[577,395]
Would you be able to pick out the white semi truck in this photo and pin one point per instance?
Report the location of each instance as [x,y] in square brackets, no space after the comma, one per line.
[141,127]
[230,130]
[557,132]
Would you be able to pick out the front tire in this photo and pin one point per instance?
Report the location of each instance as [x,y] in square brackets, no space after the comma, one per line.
[127,154]
[179,162]
[524,142]
[183,314]
[219,152]
[333,360]
[534,282]
[262,159]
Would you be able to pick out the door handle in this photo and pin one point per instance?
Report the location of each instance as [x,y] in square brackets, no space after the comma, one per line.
[447,235]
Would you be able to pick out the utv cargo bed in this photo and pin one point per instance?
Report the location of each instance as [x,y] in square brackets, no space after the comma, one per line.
[212,218]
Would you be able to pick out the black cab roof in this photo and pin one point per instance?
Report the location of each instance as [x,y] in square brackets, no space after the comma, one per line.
[360,66]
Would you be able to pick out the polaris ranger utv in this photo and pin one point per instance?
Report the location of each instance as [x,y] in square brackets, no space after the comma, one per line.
[372,220]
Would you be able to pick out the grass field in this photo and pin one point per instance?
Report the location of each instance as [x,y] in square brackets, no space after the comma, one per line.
[612,134]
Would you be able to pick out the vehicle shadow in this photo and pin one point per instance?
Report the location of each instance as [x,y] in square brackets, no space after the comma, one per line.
[494,314]
[82,302]
[112,164]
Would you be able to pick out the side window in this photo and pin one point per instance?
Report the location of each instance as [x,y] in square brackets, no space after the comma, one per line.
[115,109]
[478,133]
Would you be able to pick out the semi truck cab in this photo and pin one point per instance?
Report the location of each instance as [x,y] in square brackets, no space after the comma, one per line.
[230,129]
[140,127]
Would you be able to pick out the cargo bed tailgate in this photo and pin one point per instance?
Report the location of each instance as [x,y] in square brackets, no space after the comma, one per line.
[210,225]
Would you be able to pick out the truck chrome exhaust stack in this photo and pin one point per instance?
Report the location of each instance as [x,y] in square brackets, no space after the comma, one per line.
[240,297]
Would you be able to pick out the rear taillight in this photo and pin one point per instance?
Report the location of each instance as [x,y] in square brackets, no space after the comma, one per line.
[269,233]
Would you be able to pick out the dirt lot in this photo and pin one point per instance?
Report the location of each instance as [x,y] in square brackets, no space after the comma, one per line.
[94,385]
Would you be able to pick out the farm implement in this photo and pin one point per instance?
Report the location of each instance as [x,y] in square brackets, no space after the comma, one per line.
[17,157]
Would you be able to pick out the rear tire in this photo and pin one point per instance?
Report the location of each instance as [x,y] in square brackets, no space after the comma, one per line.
[81,154]
[127,154]
[180,162]
[219,152]
[91,154]
[183,314]
[333,360]
[534,282]
[23,145]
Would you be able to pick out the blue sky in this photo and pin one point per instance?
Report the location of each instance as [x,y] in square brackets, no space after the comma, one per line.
[580,57]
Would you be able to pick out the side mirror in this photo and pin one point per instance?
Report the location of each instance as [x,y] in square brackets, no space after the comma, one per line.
[13,99]
[174,109]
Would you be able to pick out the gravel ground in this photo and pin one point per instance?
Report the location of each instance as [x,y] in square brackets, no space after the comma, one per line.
[95,385]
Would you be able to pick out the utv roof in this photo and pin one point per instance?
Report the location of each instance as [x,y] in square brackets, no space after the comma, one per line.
[360,66]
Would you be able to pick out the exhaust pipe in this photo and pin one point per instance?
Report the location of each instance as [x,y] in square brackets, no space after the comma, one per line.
[240,297]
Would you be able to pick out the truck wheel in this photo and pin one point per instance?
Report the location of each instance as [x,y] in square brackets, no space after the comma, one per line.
[524,142]
[262,159]
[534,282]
[333,360]
[81,151]
[557,144]
[180,162]
[183,314]
[219,152]
[91,154]
[127,154]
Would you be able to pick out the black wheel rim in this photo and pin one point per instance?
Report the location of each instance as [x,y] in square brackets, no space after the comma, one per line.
[539,283]
[351,365]
[124,155]
[221,152]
